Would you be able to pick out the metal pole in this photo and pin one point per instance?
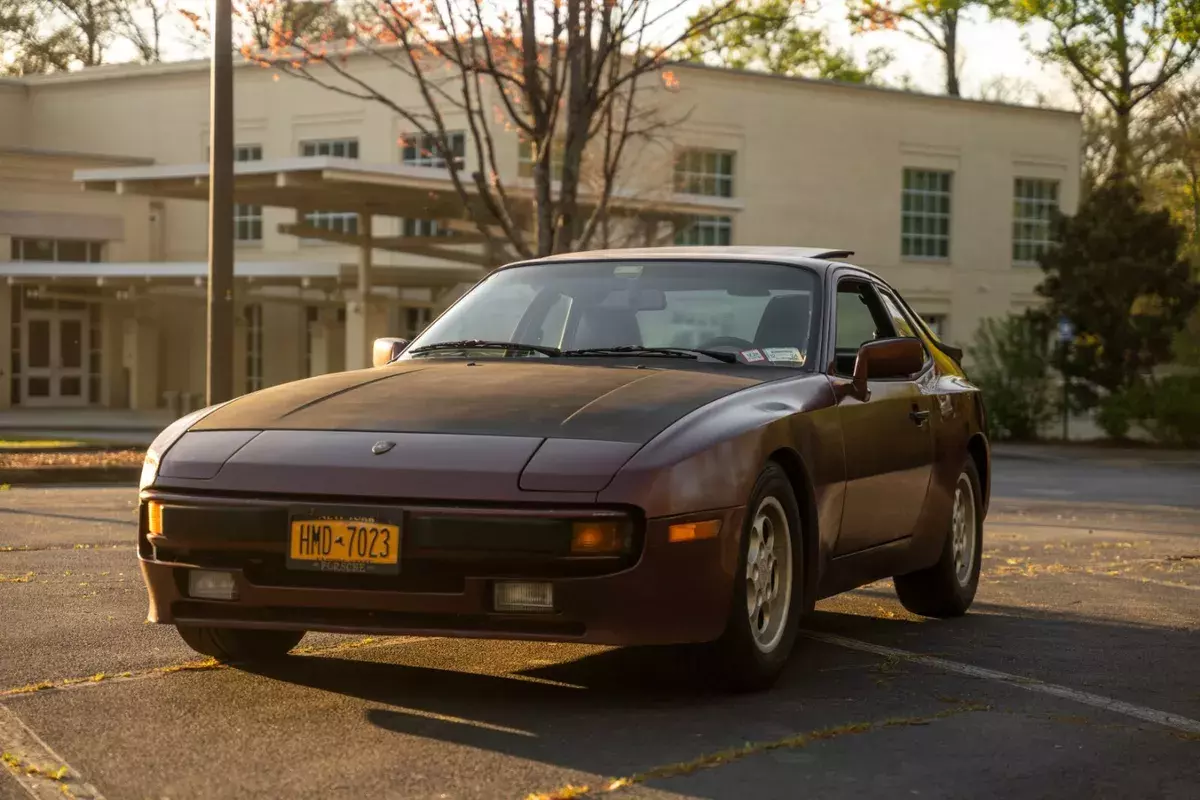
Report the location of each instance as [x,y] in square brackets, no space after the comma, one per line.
[219,382]
[1066,398]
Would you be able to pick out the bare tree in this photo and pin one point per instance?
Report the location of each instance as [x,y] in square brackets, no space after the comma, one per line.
[566,75]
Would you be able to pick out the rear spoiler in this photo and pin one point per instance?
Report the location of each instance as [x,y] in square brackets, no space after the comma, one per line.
[955,353]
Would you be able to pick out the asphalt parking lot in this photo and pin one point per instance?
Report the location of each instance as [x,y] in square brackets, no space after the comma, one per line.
[1077,674]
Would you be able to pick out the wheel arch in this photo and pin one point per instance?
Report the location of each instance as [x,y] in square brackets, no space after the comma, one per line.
[977,448]
[798,475]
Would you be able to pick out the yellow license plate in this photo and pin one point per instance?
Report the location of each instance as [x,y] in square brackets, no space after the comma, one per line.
[344,546]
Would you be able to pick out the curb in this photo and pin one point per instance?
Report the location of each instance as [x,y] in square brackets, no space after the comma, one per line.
[43,476]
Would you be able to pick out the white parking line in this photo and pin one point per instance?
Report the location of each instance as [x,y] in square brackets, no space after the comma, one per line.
[1087,698]
[40,771]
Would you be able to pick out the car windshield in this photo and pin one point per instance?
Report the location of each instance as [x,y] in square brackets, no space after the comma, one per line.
[765,313]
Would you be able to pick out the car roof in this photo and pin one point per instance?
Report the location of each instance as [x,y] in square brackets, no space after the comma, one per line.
[812,257]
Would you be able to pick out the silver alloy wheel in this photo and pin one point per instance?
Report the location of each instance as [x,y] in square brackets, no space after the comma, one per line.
[962,529]
[769,574]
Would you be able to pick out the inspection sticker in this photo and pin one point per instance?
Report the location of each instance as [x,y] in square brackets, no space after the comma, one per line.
[783,354]
[752,355]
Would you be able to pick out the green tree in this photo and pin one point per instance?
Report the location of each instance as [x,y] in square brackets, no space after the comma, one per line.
[1010,363]
[931,22]
[1121,51]
[775,36]
[1117,274]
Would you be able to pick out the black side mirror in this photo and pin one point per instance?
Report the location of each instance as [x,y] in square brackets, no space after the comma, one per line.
[386,349]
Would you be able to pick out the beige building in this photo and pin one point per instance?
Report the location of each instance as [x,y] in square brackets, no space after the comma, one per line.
[103,221]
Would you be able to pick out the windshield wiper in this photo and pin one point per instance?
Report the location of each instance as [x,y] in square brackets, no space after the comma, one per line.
[670,352]
[484,344]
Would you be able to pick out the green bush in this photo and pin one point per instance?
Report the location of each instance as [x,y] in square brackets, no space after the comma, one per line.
[1175,419]
[1010,362]
[1167,409]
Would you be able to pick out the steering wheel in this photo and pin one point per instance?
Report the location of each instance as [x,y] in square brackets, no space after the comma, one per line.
[726,341]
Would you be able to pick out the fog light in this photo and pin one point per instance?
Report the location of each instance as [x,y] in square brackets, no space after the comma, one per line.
[691,531]
[595,538]
[513,596]
[154,516]
[211,585]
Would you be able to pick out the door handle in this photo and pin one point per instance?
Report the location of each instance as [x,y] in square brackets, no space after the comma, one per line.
[918,417]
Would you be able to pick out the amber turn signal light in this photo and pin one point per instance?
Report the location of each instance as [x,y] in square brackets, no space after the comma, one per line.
[154,524]
[596,538]
[691,531]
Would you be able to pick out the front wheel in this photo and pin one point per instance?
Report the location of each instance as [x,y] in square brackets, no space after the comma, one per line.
[768,589]
[239,644]
[947,589]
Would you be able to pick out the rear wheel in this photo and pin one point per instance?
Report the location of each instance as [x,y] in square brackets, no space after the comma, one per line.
[239,644]
[947,589]
[768,591]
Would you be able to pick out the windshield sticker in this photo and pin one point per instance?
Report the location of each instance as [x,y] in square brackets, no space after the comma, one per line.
[627,271]
[751,356]
[784,354]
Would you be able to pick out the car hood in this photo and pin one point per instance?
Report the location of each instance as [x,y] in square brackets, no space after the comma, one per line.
[614,403]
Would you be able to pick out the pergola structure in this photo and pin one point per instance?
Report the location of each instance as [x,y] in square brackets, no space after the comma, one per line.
[331,184]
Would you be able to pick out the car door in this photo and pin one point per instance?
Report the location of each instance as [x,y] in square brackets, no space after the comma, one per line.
[887,437]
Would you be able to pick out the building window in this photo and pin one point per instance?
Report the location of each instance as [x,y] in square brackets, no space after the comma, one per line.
[336,221]
[525,158]
[420,150]
[706,231]
[1035,204]
[423,227]
[704,172]
[254,347]
[247,219]
[936,323]
[415,320]
[69,250]
[925,218]
[337,148]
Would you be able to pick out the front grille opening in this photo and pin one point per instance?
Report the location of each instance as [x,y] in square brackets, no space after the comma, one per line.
[368,621]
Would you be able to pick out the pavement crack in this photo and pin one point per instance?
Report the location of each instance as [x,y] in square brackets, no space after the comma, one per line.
[63,684]
[728,756]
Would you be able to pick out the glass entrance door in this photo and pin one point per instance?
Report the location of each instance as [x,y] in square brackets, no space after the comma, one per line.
[56,346]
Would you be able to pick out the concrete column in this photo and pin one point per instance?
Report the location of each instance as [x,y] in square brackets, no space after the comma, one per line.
[6,327]
[139,356]
[365,319]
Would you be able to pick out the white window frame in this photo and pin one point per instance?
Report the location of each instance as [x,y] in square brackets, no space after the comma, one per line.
[343,147]
[1033,214]
[417,150]
[336,221]
[694,233]
[95,249]
[922,215]
[705,172]
[247,219]
[414,227]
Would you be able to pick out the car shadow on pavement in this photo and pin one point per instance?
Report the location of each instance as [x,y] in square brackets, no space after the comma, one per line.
[656,702]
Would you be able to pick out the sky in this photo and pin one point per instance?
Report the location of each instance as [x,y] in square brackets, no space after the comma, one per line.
[991,50]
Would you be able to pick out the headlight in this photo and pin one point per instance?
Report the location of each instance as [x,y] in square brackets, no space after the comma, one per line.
[162,443]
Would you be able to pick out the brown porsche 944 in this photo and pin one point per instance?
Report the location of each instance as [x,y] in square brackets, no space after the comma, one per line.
[664,446]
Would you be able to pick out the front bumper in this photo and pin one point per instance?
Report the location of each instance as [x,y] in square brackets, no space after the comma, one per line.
[659,593]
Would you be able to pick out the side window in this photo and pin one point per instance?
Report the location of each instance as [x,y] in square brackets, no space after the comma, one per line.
[860,318]
[900,320]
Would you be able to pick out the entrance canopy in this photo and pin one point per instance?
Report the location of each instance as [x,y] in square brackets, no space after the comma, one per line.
[332,184]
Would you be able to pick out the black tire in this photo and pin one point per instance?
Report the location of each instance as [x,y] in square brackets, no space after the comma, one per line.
[938,591]
[736,662]
[239,644]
